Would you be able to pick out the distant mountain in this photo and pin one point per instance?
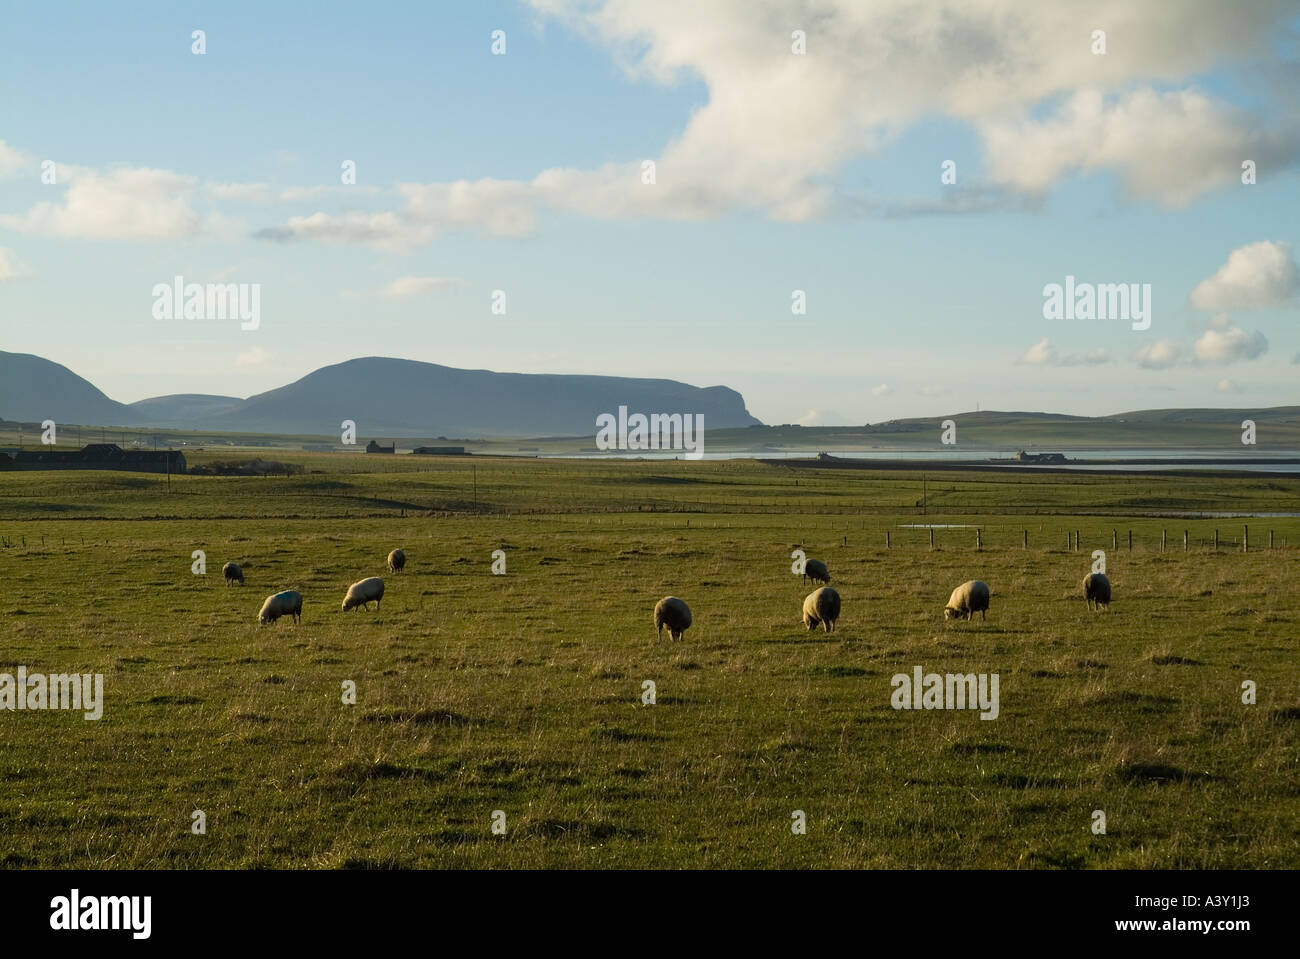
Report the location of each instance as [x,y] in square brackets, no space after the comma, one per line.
[33,389]
[181,409]
[389,397]
[385,397]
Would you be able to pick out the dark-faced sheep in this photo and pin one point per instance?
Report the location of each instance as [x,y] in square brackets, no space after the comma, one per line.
[815,570]
[1096,590]
[364,593]
[396,561]
[968,599]
[821,607]
[231,573]
[673,613]
[287,603]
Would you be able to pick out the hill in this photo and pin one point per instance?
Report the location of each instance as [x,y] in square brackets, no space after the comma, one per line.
[384,396]
[34,389]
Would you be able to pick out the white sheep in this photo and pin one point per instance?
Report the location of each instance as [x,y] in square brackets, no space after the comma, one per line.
[287,603]
[1096,590]
[673,613]
[364,593]
[815,570]
[969,598]
[232,573]
[821,607]
[396,561]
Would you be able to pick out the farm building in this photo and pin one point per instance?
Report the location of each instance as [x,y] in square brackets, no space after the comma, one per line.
[101,456]
[1023,457]
[373,447]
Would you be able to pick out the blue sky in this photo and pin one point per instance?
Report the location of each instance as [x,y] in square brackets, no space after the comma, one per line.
[774,173]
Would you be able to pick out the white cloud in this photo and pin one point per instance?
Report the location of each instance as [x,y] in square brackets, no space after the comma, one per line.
[1227,386]
[12,159]
[252,357]
[1221,344]
[123,204]
[777,128]
[1160,354]
[1040,354]
[823,418]
[1257,276]
[10,268]
[1225,343]
[500,207]
[1043,353]
[1170,147]
[884,389]
[405,287]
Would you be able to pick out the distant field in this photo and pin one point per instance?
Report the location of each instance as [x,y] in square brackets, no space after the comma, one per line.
[1206,431]
[522,693]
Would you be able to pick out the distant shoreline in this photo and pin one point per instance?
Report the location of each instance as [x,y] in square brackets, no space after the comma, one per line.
[1168,466]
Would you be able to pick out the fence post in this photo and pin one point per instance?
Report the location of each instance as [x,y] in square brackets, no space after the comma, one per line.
[1184,541]
[1026,539]
[1270,539]
[979,545]
[1130,541]
[1114,540]
[1216,540]
[886,539]
[932,537]
[1245,539]
[1076,541]
[1162,541]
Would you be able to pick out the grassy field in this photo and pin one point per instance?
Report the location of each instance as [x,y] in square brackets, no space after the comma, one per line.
[523,692]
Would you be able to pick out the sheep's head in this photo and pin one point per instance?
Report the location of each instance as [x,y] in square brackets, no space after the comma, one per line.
[950,613]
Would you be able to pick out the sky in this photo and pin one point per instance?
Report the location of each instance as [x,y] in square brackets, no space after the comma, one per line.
[797,147]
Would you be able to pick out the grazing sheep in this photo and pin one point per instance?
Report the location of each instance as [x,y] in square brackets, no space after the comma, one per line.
[1096,590]
[364,593]
[815,570]
[288,603]
[968,599]
[673,613]
[232,573]
[821,607]
[396,561]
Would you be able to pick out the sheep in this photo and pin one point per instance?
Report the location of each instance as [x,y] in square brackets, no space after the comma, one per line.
[364,593]
[396,561]
[287,603]
[673,613]
[821,607]
[1096,590]
[232,573]
[968,599]
[815,570]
